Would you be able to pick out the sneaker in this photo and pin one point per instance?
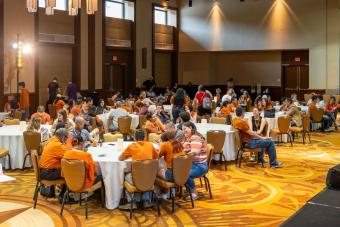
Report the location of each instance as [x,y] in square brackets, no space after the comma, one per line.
[328,130]
[164,196]
[127,206]
[194,197]
[277,165]
[148,204]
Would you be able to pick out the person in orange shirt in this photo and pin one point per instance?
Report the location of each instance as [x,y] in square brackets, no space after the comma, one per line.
[233,105]
[125,107]
[153,124]
[24,100]
[44,117]
[53,152]
[224,111]
[59,103]
[252,140]
[169,149]
[138,151]
[76,109]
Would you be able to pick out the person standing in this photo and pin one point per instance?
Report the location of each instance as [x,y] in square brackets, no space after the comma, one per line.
[203,101]
[71,91]
[52,88]
[24,100]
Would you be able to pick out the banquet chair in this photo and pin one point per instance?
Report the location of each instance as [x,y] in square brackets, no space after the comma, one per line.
[12,121]
[75,174]
[40,182]
[337,98]
[181,170]
[18,115]
[108,137]
[124,125]
[142,121]
[307,97]
[213,106]
[326,98]
[317,117]
[32,142]
[3,154]
[153,137]
[144,176]
[283,123]
[302,130]
[217,139]
[210,151]
[241,149]
[218,120]
[52,111]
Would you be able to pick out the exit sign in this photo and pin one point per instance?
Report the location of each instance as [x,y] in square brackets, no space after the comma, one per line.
[114,58]
[297,59]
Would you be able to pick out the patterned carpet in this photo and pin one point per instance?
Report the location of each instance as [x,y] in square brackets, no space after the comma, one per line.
[247,196]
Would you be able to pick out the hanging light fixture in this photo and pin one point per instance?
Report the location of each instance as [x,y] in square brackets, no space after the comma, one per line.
[91,6]
[32,6]
[73,6]
[49,6]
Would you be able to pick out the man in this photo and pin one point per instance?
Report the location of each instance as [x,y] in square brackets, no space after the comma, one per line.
[53,152]
[317,104]
[79,132]
[44,117]
[24,101]
[203,101]
[71,91]
[252,140]
[138,151]
[233,105]
[184,117]
[294,112]
[170,126]
[114,115]
[52,88]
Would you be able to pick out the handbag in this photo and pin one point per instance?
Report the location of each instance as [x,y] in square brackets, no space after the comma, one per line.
[47,191]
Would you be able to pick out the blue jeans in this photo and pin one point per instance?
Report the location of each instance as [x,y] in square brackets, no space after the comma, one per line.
[169,175]
[197,170]
[145,196]
[26,114]
[267,144]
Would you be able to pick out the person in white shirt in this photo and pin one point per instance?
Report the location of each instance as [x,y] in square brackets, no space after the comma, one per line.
[321,102]
[114,115]
[227,97]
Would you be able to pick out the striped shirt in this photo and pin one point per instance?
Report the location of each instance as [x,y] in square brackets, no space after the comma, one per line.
[196,145]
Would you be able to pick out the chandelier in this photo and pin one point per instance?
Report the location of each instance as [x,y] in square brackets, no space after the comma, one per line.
[73,6]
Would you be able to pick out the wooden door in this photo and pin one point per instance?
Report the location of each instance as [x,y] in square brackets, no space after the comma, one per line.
[295,80]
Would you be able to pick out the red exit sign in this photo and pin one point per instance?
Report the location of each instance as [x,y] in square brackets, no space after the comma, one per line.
[297,59]
[114,58]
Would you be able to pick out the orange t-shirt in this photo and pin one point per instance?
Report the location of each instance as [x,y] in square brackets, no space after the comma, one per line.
[44,117]
[124,107]
[90,166]
[24,99]
[59,105]
[243,126]
[156,127]
[166,150]
[52,154]
[312,106]
[231,107]
[225,111]
[75,110]
[142,150]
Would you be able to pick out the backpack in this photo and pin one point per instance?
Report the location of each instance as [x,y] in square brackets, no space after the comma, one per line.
[206,102]
[333,178]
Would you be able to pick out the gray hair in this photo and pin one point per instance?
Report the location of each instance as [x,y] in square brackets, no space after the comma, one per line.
[62,134]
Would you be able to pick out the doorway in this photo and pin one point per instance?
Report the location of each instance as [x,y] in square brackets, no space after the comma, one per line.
[116,77]
[295,80]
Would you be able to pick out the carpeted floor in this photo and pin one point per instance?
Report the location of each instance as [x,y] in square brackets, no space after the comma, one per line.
[247,196]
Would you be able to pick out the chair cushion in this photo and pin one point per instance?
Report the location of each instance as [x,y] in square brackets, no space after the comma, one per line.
[52,182]
[165,184]
[3,153]
[296,129]
[275,131]
[131,188]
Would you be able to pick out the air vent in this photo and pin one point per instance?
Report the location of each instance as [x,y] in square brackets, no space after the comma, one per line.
[118,43]
[164,46]
[56,38]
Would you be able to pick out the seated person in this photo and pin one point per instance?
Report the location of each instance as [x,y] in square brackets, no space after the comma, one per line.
[35,126]
[284,105]
[295,99]
[266,105]
[101,108]
[53,152]
[233,105]
[97,133]
[153,124]
[79,131]
[89,107]
[62,121]
[259,123]
[245,100]
[193,115]
[138,151]
[196,145]
[87,118]
[183,118]
[170,126]
[320,102]
[169,149]
[125,106]
[143,108]
[314,106]
[59,103]
[114,115]
[161,114]
[294,112]
[252,140]
[44,117]
[76,109]
[225,110]
[332,110]
[11,105]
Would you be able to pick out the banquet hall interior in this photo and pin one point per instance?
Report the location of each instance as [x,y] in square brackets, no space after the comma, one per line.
[169,113]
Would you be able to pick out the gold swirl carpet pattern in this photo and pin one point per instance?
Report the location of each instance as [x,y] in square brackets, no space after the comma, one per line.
[246,196]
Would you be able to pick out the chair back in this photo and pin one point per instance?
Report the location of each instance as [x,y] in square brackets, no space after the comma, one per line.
[18,115]
[218,120]
[307,97]
[144,174]
[52,111]
[32,141]
[12,121]
[284,123]
[181,169]
[74,172]
[213,106]
[337,99]
[237,139]
[35,163]
[108,137]
[210,151]
[142,121]
[124,124]
[217,139]
[326,98]
[153,137]
[317,115]
[305,123]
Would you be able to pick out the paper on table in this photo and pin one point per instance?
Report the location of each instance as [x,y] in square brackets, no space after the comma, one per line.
[4,178]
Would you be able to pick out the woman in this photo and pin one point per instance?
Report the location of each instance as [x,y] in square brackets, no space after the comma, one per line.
[169,149]
[101,108]
[97,133]
[196,145]
[59,103]
[245,100]
[178,102]
[193,115]
[161,114]
[332,110]
[228,95]
[259,123]
[266,105]
[62,121]
[153,124]
[35,126]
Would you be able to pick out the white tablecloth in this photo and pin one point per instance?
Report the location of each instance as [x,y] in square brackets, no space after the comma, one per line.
[303,108]
[229,148]
[3,116]
[11,138]
[112,170]
[134,122]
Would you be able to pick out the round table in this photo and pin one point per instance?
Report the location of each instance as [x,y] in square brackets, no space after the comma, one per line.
[134,122]
[229,148]
[11,138]
[3,115]
[112,170]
